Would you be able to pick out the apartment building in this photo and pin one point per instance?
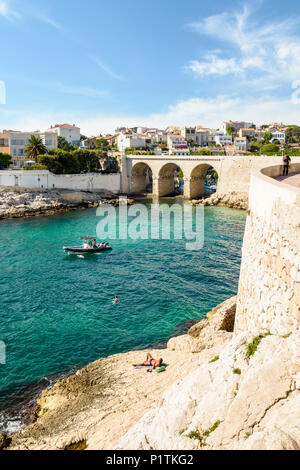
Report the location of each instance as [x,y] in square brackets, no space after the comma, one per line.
[237,125]
[15,142]
[176,140]
[177,145]
[247,132]
[4,143]
[223,139]
[160,137]
[189,133]
[126,140]
[241,144]
[204,137]
[68,132]
[173,130]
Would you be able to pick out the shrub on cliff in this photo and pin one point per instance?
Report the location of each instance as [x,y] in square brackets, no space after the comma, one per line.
[270,149]
[5,160]
[202,152]
[36,166]
[294,153]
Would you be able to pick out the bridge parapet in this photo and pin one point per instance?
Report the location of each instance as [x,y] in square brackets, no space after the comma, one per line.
[233,172]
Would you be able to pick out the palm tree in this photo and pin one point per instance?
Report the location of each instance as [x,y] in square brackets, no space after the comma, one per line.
[35,147]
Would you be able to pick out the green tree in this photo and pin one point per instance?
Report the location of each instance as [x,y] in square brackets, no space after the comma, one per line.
[294,153]
[293,134]
[255,146]
[78,161]
[102,143]
[35,147]
[230,130]
[270,149]
[88,160]
[63,144]
[191,143]
[5,160]
[202,152]
[267,137]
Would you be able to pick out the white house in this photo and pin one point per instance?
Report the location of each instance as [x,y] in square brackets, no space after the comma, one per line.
[178,152]
[130,141]
[177,145]
[279,135]
[68,132]
[220,138]
[237,125]
[176,141]
[241,144]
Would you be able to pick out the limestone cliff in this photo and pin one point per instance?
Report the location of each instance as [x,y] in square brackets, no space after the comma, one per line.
[242,399]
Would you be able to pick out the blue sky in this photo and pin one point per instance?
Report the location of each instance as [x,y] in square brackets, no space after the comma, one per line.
[102,64]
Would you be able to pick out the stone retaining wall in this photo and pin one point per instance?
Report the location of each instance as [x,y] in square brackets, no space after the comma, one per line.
[269,289]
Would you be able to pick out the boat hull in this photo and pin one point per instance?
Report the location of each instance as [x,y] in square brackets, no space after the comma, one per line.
[81,251]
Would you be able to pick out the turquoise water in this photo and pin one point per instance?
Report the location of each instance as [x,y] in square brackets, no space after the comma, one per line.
[57,311]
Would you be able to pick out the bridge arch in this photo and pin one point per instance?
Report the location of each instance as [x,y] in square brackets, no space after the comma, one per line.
[141,178]
[166,179]
[198,179]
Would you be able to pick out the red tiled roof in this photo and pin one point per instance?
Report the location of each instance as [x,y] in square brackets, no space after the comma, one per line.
[64,125]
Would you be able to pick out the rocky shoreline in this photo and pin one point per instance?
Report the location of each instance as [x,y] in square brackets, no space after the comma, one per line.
[221,391]
[234,200]
[18,202]
[108,385]
[28,203]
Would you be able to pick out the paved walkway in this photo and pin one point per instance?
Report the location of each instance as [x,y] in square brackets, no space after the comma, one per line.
[293,179]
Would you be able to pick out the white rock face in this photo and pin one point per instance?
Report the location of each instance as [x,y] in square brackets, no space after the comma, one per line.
[14,204]
[215,330]
[252,402]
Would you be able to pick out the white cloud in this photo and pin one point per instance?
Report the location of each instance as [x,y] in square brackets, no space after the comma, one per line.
[7,11]
[271,50]
[104,67]
[46,19]
[10,13]
[206,112]
[213,65]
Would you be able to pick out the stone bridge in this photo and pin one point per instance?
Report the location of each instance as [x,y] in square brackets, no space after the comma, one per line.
[137,169]
[234,173]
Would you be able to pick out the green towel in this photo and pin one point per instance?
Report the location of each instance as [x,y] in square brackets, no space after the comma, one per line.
[162,368]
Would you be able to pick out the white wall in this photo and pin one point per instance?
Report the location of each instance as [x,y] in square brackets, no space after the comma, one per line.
[46,180]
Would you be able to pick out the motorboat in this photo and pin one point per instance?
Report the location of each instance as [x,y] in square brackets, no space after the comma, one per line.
[89,245]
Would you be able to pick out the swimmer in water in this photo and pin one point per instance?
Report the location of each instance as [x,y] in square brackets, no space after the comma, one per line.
[116,300]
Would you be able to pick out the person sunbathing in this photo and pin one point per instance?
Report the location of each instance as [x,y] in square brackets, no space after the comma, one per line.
[151,362]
